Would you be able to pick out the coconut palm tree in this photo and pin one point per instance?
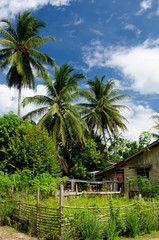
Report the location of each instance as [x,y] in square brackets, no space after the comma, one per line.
[60,115]
[156,127]
[102,113]
[19,51]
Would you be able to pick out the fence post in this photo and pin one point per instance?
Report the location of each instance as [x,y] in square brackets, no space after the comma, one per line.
[37,212]
[76,187]
[72,186]
[61,208]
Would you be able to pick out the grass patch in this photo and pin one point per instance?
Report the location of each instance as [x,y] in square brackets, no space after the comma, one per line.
[152,235]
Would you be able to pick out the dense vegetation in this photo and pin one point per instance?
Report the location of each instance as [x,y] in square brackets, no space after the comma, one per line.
[28,147]
[80,136]
[78,132]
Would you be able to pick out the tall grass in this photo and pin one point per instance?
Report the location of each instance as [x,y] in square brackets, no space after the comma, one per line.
[132,224]
[110,229]
[88,227]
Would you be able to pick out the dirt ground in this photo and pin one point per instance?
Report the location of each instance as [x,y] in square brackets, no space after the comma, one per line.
[8,233]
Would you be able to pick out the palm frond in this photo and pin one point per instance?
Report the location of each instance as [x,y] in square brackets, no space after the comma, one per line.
[35,113]
[42,57]
[38,100]
[7,35]
[9,27]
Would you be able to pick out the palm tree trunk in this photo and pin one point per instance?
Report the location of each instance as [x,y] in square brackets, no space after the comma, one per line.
[106,145]
[19,100]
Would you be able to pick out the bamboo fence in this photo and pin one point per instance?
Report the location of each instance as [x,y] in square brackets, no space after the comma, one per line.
[43,221]
[49,222]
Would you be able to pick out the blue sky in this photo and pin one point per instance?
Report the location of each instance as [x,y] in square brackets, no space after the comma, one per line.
[116,38]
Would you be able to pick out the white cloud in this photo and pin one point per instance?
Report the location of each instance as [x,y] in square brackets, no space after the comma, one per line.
[9,8]
[144,5]
[109,18]
[77,21]
[157,12]
[9,98]
[97,32]
[132,27]
[139,64]
[139,119]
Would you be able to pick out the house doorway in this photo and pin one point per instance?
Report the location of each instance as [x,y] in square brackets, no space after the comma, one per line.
[120,178]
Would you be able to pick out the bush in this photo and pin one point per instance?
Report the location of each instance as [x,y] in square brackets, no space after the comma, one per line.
[6,213]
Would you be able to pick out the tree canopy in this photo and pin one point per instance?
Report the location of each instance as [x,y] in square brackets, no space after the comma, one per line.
[59,115]
[28,147]
[19,51]
[102,112]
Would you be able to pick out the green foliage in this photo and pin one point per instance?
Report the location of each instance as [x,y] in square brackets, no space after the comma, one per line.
[66,234]
[132,224]
[8,125]
[46,182]
[88,227]
[145,186]
[34,151]
[132,148]
[19,51]
[60,116]
[6,211]
[144,139]
[23,180]
[149,221]
[5,185]
[110,229]
[28,147]
[121,147]
[86,159]
[102,112]
[85,224]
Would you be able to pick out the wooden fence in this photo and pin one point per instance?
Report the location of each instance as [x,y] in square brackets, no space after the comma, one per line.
[47,221]
[43,221]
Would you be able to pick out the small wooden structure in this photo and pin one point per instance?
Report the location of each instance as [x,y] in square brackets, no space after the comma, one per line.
[78,185]
[144,163]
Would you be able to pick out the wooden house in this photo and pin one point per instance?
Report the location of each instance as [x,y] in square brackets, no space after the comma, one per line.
[144,163]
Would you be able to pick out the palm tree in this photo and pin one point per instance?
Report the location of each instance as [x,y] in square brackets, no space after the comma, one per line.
[102,114]
[156,127]
[20,51]
[60,115]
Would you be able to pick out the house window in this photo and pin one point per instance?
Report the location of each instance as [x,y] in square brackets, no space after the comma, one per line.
[144,172]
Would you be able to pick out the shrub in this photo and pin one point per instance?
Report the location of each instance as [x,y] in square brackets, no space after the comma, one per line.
[6,213]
